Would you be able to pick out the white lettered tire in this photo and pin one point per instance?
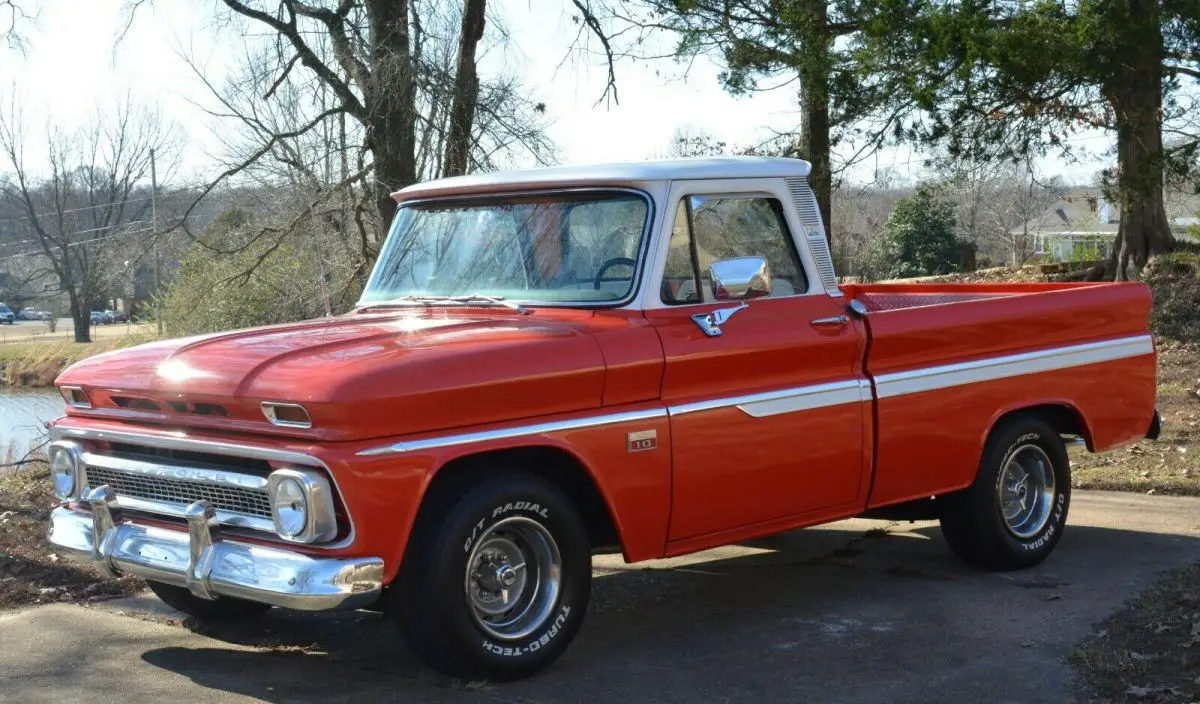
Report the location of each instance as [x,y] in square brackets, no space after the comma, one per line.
[496,578]
[1015,512]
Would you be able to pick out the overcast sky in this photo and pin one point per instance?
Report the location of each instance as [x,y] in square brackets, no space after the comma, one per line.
[71,65]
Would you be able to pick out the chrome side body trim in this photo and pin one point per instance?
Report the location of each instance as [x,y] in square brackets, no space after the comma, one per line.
[771,403]
[211,566]
[802,398]
[513,432]
[992,368]
[180,441]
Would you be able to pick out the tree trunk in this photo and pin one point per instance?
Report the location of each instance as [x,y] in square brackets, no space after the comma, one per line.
[466,89]
[389,101]
[1136,98]
[814,73]
[81,317]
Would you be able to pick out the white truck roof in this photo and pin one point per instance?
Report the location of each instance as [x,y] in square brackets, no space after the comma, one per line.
[621,173]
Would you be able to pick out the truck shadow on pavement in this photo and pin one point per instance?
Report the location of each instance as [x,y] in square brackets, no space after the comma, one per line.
[867,615]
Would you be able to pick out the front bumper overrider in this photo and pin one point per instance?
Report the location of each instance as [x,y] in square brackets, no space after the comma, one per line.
[95,532]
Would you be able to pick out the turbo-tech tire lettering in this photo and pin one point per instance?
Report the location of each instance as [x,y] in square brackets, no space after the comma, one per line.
[534,645]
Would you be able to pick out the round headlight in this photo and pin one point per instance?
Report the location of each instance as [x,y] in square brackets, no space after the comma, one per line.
[63,470]
[290,506]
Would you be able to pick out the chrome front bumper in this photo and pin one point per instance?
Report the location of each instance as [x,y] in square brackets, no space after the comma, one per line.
[207,565]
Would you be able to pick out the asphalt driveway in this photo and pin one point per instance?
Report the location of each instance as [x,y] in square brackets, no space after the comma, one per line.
[858,611]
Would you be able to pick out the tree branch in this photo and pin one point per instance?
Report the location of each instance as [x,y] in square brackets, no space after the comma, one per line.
[589,18]
[288,30]
[282,77]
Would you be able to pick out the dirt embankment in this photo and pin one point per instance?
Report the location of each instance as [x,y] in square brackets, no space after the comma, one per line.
[30,571]
[38,363]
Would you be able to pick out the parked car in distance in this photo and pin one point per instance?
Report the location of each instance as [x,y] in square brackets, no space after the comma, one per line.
[33,314]
[6,315]
[649,358]
[101,317]
[116,316]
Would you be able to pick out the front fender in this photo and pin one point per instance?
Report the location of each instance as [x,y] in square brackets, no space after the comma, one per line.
[392,480]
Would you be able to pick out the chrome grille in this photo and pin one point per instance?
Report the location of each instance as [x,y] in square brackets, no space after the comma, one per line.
[233,499]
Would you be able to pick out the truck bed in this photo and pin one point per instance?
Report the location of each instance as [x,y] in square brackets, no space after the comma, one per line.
[882,297]
[985,350]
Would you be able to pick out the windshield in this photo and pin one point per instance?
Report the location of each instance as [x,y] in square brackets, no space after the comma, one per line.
[557,248]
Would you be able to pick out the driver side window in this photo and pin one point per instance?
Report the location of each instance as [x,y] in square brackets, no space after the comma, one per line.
[710,228]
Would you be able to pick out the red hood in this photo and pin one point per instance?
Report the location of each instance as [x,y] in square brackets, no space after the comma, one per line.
[360,376]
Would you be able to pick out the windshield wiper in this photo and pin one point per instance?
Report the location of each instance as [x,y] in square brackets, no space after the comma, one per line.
[495,300]
[469,298]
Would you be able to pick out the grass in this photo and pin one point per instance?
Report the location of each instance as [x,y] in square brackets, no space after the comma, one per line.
[30,571]
[30,364]
[1149,651]
[1171,464]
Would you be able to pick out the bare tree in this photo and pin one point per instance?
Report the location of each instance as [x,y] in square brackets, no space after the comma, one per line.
[12,15]
[371,58]
[292,138]
[86,197]
[466,88]
[997,200]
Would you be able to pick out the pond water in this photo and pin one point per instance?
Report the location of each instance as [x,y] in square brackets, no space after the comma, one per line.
[23,417]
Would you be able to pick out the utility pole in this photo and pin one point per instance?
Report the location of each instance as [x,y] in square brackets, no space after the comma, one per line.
[154,234]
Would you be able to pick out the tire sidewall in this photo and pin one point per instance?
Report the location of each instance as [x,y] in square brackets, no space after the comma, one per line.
[1036,547]
[471,523]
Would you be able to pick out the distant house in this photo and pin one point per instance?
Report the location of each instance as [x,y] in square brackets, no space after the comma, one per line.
[1083,224]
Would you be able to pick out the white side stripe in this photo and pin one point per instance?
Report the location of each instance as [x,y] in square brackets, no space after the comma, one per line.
[503,433]
[932,378]
[772,403]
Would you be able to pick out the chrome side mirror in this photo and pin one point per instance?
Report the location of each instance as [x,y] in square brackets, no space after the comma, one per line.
[740,278]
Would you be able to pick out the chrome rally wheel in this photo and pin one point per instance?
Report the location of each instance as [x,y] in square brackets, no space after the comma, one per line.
[513,578]
[1015,511]
[496,577]
[1026,491]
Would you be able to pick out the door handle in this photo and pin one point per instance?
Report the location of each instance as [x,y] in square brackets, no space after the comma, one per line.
[833,321]
[710,323]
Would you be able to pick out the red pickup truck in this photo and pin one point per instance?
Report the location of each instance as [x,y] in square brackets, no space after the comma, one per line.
[652,358]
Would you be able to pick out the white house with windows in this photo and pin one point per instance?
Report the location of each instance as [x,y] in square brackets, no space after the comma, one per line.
[1083,224]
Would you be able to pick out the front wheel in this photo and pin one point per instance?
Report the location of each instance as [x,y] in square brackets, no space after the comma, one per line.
[1014,513]
[496,579]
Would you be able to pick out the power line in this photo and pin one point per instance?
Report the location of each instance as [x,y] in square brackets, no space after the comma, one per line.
[75,210]
[98,240]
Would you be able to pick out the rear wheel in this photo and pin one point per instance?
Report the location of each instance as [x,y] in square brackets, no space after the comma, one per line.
[1014,513]
[221,609]
[496,579]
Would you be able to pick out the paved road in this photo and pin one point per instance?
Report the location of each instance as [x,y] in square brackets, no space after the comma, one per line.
[38,331]
[833,614]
